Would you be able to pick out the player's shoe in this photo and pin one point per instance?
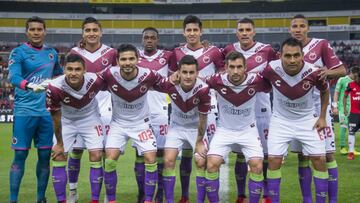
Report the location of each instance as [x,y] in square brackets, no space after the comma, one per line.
[42,201]
[140,199]
[343,151]
[94,201]
[351,156]
[184,200]
[266,200]
[240,200]
[73,196]
[356,153]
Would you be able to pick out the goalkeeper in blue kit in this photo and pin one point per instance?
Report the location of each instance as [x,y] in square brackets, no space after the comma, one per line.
[30,65]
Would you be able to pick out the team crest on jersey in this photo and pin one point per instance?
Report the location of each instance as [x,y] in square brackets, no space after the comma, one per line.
[11,61]
[104,61]
[162,61]
[258,59]
[251,91]
[312,55]
[196,100]
[206,59]
[14,140]
[92,95]
[306,85]
[143,88]
[51,56]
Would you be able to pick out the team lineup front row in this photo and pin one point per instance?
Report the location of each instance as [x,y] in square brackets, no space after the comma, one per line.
[238,96]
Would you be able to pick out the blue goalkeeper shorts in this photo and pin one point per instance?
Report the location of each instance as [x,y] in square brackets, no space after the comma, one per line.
[27,128]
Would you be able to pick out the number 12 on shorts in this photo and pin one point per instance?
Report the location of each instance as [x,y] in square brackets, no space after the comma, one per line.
[146,135]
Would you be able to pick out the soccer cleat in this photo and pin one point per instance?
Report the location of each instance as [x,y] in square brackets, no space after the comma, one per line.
[266,200]
[43,201]
[343,151]
[184,200]
[240,200]
[73,196]
[94,201]
[350,156]
[356,153]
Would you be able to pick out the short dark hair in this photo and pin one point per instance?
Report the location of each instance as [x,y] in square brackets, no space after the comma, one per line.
[291,42]
[232,56]
[90,20]
[127,47]
[70,58]
[35,19]
[246,20]
[151,29]
[188,60]
[299,16]
[354,69]
[192,19]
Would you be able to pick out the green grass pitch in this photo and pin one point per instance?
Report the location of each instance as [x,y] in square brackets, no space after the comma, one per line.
[349,177]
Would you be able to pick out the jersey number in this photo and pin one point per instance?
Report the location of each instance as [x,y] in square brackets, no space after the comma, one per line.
[163,129]
[146,135]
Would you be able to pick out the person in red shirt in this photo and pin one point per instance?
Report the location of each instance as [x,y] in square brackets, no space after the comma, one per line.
[353,90]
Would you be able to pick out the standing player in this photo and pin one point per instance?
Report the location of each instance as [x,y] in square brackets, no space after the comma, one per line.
[337,106]
[257,55]
[30,64]
[157,60]
[210,60]
[97,57]
[75,113]
[129,84]
[320,53]
[353,90]
[236,92]
[294,81]
[190,101]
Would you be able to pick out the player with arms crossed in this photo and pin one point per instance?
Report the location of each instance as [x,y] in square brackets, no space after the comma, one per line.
[75,113]
[236,92]
[157,60]
[337,106]
[257,55]
[129,84]
[210,60]
[190,101]
[320,53]
[353,90]
[294,81]
[30,64]
[97,57]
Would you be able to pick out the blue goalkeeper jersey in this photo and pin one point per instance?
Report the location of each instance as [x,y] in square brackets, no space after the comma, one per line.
[34,65]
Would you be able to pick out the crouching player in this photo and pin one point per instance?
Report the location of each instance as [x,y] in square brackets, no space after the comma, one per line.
[236,92]
[74,110]
[190,102]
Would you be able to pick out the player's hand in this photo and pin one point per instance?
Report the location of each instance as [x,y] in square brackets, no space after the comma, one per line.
[206,44]
[200,149]
[175,78]
[35,87]
[57,150]
[320,124]
[324,72]
[45,83]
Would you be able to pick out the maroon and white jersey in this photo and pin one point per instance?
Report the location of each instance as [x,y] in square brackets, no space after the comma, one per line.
[129,98]
[75,104]
[257,57]
[96,62]
[158,62]
[320,53]
[236,103]
[186,106]
[293,95]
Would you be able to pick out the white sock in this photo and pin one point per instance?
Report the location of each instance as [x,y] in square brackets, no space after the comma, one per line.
[72,186]
[351,142]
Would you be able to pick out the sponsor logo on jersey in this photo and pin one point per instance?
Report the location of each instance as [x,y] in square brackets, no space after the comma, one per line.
[114,87]
[277,83]
[223,90]
[306,73]
[173,96]
[66,100]
[51,56]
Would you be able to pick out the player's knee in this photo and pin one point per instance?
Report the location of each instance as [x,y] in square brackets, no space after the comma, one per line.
[213,164]
[95,155]
[256,166]
[150,157]
[330,157]
[275,162]
[169,162]
[21,155]
[200,162]
[319,163]
[110,165]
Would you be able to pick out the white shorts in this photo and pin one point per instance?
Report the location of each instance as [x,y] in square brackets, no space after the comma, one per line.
[328,133]
[262,124]
[181,138]
[89,130]
[246,141]
[211,125]
[105,120]
[142,136]
[282,132]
